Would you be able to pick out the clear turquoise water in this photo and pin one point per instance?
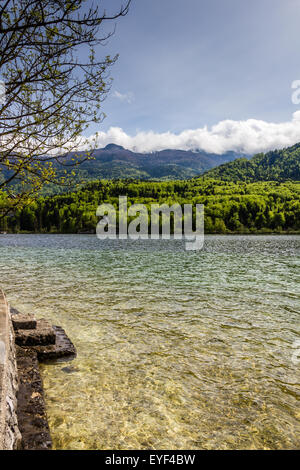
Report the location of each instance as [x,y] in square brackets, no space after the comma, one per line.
[176,349]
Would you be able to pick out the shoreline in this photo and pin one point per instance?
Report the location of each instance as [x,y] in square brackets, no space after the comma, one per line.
[23,232]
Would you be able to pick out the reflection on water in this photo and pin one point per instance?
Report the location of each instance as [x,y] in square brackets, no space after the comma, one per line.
[176,349]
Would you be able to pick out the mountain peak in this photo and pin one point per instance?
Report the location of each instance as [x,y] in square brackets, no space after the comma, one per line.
[113,147]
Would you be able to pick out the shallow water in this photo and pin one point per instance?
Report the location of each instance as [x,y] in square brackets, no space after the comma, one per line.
[176,349]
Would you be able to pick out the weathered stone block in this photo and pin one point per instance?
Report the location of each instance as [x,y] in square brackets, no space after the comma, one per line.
[42,335]
[63,347]
[24,322]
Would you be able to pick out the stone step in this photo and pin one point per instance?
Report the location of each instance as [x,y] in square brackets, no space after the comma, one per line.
[31,410]
[23,322]
[42,335]
[62,349]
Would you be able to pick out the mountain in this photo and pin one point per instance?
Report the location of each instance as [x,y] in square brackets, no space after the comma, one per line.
[277,165]
[114,161]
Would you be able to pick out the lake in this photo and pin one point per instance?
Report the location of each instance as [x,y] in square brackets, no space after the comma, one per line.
[176,349]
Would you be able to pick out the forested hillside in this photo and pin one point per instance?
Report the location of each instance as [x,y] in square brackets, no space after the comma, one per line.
[278,165]
[229,207]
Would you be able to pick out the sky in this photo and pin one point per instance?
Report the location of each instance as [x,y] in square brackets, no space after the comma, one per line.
[214,75]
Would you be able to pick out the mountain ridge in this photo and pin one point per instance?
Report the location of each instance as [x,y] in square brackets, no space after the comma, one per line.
[115,161]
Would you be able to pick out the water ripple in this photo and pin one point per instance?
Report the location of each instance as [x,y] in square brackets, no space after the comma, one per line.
[176,349]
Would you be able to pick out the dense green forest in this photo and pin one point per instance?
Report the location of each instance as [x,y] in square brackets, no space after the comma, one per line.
[277,165]
[241,207]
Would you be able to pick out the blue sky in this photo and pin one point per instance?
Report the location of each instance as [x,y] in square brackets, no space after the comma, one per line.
[189,64]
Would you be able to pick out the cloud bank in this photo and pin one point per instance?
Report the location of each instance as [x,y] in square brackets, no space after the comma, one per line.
[250,136]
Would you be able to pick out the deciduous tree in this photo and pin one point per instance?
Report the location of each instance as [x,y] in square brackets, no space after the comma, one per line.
[55,83]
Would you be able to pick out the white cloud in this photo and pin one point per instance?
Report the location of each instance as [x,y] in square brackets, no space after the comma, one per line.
[250,136]
[125,97]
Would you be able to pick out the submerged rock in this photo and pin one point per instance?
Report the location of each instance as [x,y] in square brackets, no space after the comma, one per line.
[69,370]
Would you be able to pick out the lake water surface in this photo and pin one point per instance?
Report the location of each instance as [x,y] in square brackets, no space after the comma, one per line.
[176,349]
